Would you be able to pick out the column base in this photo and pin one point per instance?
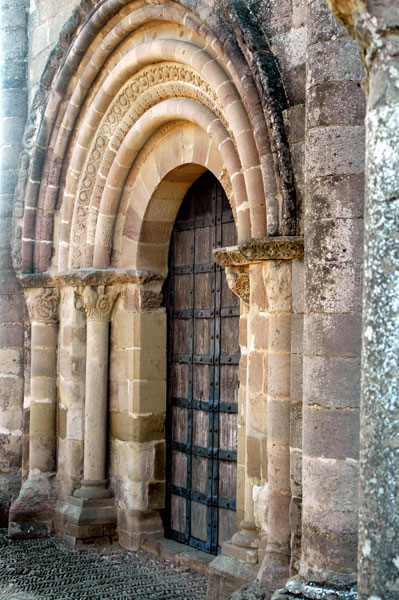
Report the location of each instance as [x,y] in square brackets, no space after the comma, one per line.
[136,526]
[9,490]
[295,589]
[89,517]
[31,515]
[244,544]
[275,568]
[228,574]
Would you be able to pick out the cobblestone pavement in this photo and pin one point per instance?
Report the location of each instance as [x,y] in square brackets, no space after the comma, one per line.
[44,569]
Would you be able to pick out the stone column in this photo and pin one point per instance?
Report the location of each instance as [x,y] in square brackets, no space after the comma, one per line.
[13,113]
[376,26]
[334,165]
[244,544]
[92,504]
[265,533]
[31,513]
[275,567]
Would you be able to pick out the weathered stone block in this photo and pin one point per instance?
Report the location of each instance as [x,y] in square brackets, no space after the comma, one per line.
[11,391]
[62,422]
[330,517]
[133,461]
[296,424]
[332,382]
[13,103]
[289,48]
[259,330]
[333,60]
[43,362]
[279,526]
[278,420]
[279,374]
[294,118]
[280,333]
[118,365]
[335,196]
[295,85]
[338,240]
[255,367]
[253,458]
[146,364]
[258,412]
[42,419]
[334,287]
[257,287]
[336,103]
[136,428]
[333,335]
[331,433]
[44,335]
[278,468]
[335,150]
[150,330]
[11,335]
[147,396]
[11,361]
[296,473]
[322,25]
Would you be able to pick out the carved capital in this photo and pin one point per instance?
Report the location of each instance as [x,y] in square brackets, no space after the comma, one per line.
[238,281]
[278,284]
[97,302]
[42,304]
[260,250]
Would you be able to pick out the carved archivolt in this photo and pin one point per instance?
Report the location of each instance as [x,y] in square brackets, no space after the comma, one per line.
[141,56]
[147,88]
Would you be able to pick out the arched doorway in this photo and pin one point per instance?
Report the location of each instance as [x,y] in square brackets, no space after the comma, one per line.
[203,356]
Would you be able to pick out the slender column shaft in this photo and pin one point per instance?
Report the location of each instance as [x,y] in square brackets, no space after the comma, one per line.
[42,306]
[96,400]
[31,513]
[42,424]
[97,303]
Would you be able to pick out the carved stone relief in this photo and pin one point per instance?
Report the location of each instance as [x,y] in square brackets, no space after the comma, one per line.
[259,250]
[42,304]
[97,302]
[238,281]
[170,80]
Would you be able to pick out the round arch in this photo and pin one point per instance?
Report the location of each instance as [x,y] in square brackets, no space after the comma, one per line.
[128,70]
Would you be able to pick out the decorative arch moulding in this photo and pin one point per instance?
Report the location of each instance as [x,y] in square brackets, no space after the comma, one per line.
[122,71]
[86,277]
[259,250]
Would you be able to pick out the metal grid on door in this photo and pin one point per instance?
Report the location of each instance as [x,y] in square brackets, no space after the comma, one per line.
[203,357]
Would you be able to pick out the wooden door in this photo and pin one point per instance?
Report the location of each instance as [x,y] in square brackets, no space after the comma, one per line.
[203,356]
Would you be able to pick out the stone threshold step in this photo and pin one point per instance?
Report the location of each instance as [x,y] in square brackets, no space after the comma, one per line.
[179,554]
